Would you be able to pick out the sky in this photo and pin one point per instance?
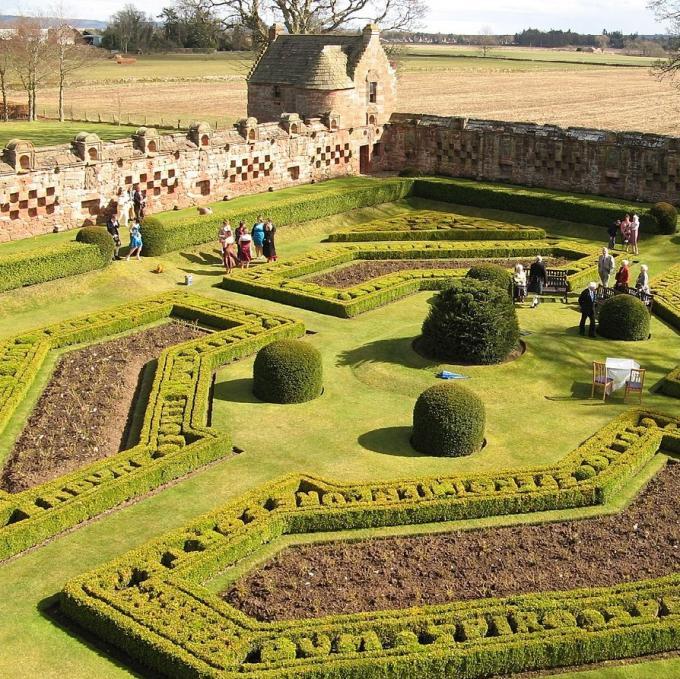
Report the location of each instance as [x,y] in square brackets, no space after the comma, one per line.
[446,16]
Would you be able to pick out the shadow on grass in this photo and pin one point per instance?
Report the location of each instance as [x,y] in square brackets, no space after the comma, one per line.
[206,258]
[204,272]
[49,610]
[389,441]
[396,350]
[235,391]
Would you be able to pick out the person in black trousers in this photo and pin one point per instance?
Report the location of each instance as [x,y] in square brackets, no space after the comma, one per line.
[586,302]
[537,279]
[612,231]
[112,226]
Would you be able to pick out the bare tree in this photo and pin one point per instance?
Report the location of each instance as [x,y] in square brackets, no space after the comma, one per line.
[5,65]
[487,39]
[317,16]
[669,11]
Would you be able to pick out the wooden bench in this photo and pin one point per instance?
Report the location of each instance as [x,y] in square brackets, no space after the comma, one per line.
[556,281]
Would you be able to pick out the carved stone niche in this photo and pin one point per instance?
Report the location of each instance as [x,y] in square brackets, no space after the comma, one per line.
[201,134]
[20,155]
[291,123]
[88,147]
[247,128]
[146,139]
[331,120]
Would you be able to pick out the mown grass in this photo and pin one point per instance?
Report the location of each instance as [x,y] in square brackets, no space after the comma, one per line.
[49,132]
[356,430]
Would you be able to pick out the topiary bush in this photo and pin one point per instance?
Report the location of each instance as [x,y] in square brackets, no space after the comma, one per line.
[472,322]
[666,217]
[623,317]
[99,236]
[448,420]
[492,273]
[287,371]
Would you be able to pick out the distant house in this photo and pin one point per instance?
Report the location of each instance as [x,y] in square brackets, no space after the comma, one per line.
[346,79]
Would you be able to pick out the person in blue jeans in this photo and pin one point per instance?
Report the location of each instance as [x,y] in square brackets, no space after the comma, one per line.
[258,236]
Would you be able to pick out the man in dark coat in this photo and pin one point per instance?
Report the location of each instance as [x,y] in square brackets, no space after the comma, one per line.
[537,279]
[586,302]
[138,203]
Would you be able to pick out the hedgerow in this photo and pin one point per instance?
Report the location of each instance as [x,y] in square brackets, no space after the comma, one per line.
[151,605]
[280,282]
[666,289]
[174,437]
[431,225]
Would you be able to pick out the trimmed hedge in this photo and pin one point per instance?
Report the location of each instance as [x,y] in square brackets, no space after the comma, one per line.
[471,322]
[160,237]
[666,289]
[491,273]
[174,438]
[448,420]
[288,371]
[150,603]
[623,317]
[99,236]
[666,217]
[279,281]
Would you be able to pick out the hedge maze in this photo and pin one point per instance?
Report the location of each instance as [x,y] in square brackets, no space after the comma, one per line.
[280,282]
[174,439]
[151,603]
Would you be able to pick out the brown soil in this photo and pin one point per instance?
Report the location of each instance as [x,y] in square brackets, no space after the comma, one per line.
[362,271]
[82,414]
[344,577]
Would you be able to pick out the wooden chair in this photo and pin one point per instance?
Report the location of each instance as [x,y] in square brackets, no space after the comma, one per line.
[635,383]
[601,380]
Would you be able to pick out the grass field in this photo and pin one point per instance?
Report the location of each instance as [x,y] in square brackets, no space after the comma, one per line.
[368,361]
[47,132]
[561,87]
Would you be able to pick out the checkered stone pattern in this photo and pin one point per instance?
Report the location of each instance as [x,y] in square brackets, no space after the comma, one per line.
[331,155]
[28,203]
[465,152]
[161,181]
[248,168]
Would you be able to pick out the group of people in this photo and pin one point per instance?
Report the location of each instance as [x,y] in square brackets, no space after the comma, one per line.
[629,230]
[237,247]
[136,244]
[622,278]
[534,282]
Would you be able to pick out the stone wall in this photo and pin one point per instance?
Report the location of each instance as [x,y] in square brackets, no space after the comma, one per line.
[73,185]
[629,165]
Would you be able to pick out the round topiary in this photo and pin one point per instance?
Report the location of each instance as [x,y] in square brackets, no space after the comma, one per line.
[472,322]
[99,236]
[493,273]
[287,371]
[666,217]
[623,317]
[448,420]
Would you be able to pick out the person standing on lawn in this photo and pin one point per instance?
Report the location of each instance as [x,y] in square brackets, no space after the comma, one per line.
[605,267]
[244,240]
[622,277]
[586,303]
[257,235]
[113,227]
[613,231]
[135,240]
[633,234]
[269,245]
[537,279]
[138,203]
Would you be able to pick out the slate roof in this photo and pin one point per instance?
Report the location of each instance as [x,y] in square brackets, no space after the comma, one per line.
[320,62]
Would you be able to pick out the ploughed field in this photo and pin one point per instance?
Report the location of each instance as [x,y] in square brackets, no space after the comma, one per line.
[391,573]
[362,271]
[85,411]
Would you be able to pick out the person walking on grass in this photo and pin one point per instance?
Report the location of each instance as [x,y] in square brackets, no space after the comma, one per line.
[538,277]
[113,227]
[519,283]
[228,249]
[136,243]
[586,303]
[245,254]
[605,267]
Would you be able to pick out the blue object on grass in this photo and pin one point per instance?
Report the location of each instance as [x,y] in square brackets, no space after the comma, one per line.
[446,375]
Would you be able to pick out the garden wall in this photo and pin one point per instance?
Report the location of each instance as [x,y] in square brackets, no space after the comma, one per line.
[628,165]
[77,184]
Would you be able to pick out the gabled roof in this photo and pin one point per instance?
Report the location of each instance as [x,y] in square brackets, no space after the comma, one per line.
[320,62]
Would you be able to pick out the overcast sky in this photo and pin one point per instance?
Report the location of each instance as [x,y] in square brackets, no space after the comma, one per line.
[449,16]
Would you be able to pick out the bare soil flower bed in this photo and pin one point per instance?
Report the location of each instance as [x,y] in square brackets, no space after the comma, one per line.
[365,270]
[349,577]
[82,414]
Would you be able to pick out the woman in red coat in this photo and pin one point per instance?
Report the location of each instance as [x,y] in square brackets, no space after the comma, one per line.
[622,277]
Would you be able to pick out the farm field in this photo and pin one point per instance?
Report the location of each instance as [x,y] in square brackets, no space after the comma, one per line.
[48,132]
[367,360]
[545,86]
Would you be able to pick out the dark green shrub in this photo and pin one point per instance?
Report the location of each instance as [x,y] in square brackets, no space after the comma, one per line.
[471,322]
[287,371]
[492,273]
[411,172]
[623,317]
[99,236]
[448,420]
[666,217]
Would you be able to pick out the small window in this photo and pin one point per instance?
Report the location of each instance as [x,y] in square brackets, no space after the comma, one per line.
[372,93]
[277,92]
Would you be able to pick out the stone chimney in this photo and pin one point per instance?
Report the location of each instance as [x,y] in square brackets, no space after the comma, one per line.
[275,31]
[371,31]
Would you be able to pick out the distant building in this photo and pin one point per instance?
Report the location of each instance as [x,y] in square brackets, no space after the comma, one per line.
[346,79]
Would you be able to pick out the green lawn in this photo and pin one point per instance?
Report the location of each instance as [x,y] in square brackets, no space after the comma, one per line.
[356,430]
[46,133]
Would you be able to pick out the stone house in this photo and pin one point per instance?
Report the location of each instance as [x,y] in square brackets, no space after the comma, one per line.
[346,80]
